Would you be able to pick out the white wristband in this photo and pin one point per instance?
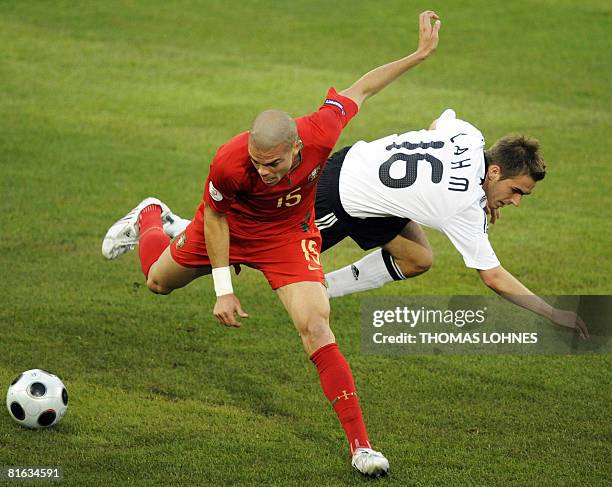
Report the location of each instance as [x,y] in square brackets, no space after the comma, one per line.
[223,281]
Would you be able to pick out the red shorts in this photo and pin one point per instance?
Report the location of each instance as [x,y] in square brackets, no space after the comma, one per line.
[285,259]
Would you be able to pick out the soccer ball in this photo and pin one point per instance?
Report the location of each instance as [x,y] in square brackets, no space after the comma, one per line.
[37,399]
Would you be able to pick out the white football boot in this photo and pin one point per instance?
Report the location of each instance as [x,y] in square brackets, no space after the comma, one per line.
[370,463]
[123,234]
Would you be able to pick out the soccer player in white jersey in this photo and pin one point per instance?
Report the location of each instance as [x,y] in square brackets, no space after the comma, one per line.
[377,193]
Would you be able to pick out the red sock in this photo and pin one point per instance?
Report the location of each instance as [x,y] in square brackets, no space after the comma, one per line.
[153,240]
[339,388]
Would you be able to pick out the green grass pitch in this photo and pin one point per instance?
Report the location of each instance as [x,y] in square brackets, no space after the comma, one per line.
[105,103]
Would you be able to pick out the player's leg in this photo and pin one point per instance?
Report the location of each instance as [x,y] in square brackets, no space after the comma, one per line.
[148,225]
[184,260]
[162,272]
[165,274]
[405,253]
[308,307]
[411,251]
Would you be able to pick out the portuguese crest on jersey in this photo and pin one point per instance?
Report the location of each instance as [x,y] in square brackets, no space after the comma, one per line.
[314,174]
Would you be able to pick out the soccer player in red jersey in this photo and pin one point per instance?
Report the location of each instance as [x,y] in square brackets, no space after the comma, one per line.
[258,210]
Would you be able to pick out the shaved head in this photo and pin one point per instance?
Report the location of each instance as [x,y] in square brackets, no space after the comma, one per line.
[271,129]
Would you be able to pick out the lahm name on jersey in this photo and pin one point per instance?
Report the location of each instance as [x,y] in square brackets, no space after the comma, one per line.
[455,183]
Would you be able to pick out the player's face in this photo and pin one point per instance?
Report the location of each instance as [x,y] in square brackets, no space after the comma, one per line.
[272,165]
[510,191]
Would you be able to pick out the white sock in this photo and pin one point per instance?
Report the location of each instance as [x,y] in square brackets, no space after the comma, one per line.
[372,271]
[177,226]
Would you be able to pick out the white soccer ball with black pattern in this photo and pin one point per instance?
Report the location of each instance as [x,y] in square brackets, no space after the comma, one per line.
[37,399]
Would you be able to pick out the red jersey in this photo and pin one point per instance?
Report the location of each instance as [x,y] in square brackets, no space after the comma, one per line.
[253,208]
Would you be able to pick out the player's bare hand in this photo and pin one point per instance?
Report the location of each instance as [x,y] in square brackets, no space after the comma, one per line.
[428,32]
[569,319]
[494,214]
[226,309]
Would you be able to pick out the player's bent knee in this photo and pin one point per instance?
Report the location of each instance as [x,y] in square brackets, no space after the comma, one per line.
[424,262]
[316,334]
[317,329]
[156,287]
[314,324]
[416,264]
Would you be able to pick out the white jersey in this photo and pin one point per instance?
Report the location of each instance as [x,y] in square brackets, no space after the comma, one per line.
[433,177]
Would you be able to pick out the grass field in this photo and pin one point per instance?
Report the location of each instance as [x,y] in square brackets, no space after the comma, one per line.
[105,103]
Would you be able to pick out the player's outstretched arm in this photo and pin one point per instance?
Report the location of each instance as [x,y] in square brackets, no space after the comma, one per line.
[216,230]
[511,289]
[374,81]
